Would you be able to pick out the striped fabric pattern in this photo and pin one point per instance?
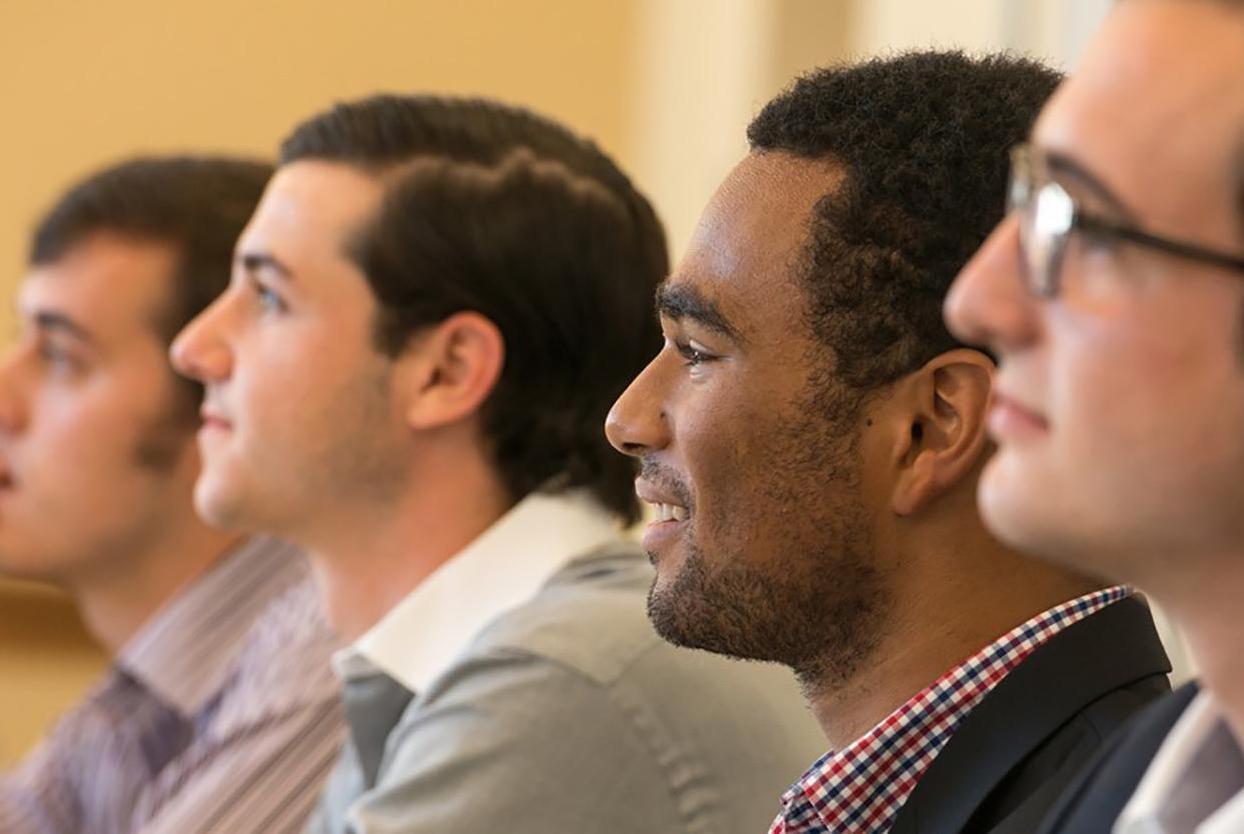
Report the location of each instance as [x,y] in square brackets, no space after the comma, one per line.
[860,789]
[222,714]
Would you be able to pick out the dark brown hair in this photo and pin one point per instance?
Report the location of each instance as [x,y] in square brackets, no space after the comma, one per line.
[495,209]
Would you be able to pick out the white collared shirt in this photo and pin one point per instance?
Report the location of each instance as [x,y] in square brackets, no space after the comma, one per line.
[501,569]
[1195,784]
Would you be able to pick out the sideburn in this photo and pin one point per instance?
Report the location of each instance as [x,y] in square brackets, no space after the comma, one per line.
[163,440]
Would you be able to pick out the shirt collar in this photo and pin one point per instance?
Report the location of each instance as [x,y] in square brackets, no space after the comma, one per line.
[1196,780]
[184,653]
[862,787]
[499,570]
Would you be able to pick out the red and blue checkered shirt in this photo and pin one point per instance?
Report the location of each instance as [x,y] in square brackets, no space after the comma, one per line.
[859,790]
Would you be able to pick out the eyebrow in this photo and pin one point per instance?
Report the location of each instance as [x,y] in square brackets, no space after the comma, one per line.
[1067,166]
[255,261]
[679,301]
[54,321]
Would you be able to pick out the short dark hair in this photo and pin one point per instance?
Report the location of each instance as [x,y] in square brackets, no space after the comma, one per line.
[197,205]
[495,209]
[921,139]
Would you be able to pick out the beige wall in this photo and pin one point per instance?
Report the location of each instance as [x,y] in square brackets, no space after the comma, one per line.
[83,83]
[46,662]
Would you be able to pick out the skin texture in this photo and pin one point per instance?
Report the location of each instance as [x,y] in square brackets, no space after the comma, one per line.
[782,446]
[295,434]
[97,438]
[373,463]
[827,531]
[1120,401]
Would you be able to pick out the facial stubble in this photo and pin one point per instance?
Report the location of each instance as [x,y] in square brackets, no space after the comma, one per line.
[816,601]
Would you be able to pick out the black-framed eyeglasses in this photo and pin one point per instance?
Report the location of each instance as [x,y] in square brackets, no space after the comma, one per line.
[1048,215]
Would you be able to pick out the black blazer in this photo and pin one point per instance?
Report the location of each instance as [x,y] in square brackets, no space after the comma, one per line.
[1102,789]
[1015,754]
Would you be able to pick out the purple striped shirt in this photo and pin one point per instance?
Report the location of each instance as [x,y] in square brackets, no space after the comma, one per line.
[221,714]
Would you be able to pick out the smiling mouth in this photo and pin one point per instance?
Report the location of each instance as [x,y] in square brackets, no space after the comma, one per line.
[670,512]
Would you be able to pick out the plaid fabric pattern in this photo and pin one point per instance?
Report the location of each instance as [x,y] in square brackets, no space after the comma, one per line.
[859,790]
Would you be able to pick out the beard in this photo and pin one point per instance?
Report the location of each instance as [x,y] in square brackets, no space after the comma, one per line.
[816,599]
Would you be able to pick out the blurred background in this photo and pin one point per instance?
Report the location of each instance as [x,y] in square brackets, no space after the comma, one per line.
[666,86]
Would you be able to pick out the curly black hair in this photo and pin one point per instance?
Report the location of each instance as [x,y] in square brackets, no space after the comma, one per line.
[922,140]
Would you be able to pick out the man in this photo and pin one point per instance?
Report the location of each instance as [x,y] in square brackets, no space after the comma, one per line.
[811,437]
[1112,295]
[220,672]
[432,309]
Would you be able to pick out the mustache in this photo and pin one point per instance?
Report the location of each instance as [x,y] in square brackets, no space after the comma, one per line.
[666,479]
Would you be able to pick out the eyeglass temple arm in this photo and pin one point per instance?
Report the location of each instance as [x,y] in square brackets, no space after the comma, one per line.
[1101,226]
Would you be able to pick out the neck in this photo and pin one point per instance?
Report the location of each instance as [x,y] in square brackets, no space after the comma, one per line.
[384,552]
[931,630]
[118,600]
[1206,614]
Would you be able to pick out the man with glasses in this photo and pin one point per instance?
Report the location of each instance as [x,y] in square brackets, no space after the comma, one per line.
[811,436]
[1113,295]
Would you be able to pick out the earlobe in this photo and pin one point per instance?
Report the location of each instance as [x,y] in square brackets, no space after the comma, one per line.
[450,372]
[950,398]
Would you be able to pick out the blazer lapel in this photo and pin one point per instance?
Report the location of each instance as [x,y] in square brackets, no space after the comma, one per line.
[1108,650]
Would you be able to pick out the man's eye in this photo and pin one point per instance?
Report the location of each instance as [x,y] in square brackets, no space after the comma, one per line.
[56,356]
[268,298]
[692,355]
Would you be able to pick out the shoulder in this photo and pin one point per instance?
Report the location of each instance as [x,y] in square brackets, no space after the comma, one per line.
[584,648]
[575,689]
[591,617]
[1016,752]
[1100,791]
[284,663]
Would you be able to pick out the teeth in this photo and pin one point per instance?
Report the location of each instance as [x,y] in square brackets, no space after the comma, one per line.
[671,512]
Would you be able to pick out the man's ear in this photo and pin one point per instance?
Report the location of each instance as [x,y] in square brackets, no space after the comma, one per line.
[449,371]
[946,403]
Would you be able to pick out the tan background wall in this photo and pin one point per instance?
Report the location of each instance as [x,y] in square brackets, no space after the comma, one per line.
[666,85]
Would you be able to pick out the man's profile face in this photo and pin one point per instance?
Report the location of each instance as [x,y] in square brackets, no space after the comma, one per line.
[96,431]
[1121,401]
[298,420]
[757,467]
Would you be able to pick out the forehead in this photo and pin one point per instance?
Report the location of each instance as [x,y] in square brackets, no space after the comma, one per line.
[309,209]
[1156,110]
[114,287]
[751,238]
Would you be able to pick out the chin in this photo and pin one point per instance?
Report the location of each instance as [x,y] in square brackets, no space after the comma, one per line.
[215,504]
[25,566]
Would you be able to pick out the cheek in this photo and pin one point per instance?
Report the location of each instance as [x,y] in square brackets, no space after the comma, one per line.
[717,441]
[276,377]
[1153,410]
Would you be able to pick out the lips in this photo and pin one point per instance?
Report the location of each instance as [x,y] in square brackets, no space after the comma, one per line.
[671,509]
[1009,419]
[212,419]
[667,504]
